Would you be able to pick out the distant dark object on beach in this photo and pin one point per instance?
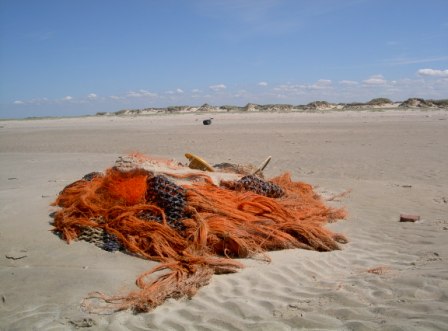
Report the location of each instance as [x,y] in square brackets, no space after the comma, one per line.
[409,218]
[208,121]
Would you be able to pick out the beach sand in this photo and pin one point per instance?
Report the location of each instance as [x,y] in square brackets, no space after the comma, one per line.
[390,276]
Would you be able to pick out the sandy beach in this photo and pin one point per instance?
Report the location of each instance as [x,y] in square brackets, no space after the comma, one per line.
[390,276]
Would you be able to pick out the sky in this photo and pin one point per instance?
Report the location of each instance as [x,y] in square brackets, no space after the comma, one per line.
[79,57]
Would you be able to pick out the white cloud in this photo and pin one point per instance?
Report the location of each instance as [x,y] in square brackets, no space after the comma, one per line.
[348,82]
[375,80]
[92,96]
[241,93]
[321,84]
[132,94]
[324,82]
[433,73]
[262,84]
[217,88]
[176,91]
[301,89]
[35,101]
[140,94]
[290,89]
[406,61]
[196,90]
[67,98]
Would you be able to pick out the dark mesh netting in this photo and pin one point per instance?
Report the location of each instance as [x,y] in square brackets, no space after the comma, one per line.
[100,238]
[259,186]
[168,196]
[92,175]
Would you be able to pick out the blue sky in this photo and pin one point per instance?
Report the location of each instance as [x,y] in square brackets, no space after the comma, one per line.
[79,57]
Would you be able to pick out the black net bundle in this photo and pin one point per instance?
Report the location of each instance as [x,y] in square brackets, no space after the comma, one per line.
[259,186]
[90,176]
[168,196]
[100,238]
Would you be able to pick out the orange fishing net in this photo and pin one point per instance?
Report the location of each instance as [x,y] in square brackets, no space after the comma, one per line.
[190,223]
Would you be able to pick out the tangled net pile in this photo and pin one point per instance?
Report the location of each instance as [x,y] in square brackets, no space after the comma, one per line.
[191,225]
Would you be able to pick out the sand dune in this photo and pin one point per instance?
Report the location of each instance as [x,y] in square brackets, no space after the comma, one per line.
[390,276]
